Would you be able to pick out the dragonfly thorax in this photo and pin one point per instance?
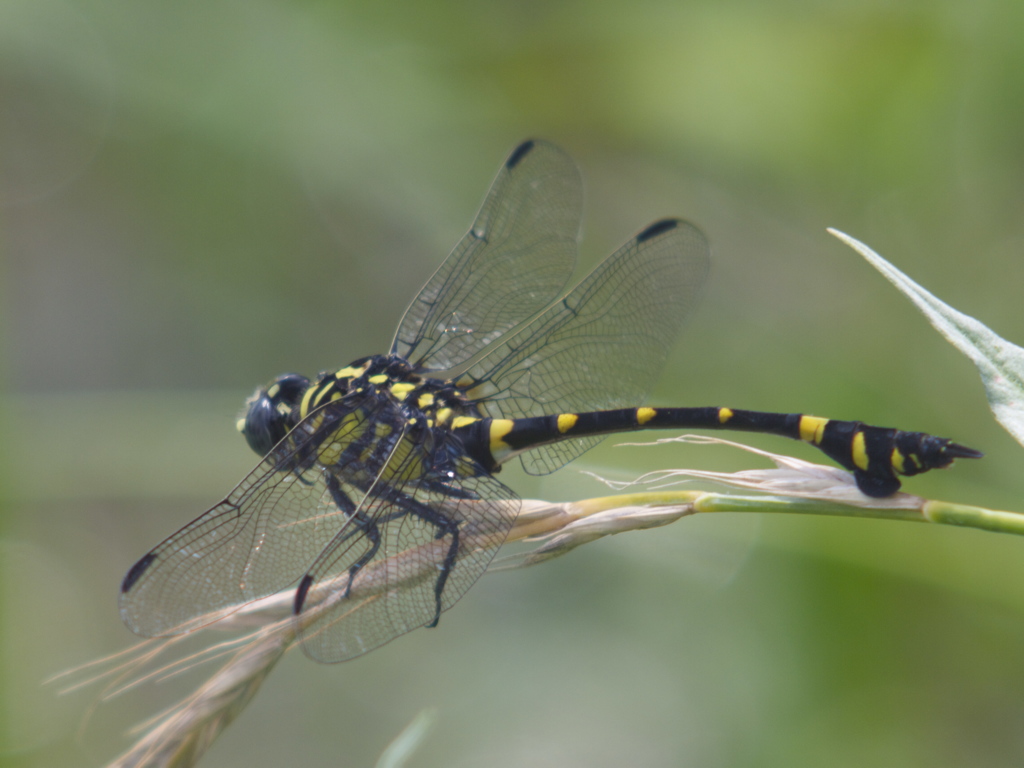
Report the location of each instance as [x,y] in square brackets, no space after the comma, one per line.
[273,411]
[432,401]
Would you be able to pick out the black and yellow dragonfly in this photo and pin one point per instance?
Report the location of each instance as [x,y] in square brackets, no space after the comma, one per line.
[386,467]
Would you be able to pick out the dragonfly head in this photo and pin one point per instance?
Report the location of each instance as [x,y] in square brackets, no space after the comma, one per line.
[270,412]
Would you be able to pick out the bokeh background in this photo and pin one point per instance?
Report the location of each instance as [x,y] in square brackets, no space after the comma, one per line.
[196,196]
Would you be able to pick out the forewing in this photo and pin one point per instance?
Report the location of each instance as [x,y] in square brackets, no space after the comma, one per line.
[258,540]
[604,344]
[516,258]
[394,592]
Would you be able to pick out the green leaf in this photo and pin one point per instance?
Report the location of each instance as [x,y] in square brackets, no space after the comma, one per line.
[1000,363]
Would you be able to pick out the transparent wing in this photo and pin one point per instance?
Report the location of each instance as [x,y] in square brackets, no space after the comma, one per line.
[263,536]
[514,261]
[428,531]
[603,345]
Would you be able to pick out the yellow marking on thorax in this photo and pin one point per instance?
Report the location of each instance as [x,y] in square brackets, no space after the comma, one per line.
[567,421]
[425,400]
[643,415]
[350,372]
[380,378]
[273,389]
[330,453]
[724,414]
[323,391]
[304,408]
[402,389]
[409,467]
[403,463]
[859,451]
[443,415]
[812,429]
[463,421]
[380,431]
[896,459]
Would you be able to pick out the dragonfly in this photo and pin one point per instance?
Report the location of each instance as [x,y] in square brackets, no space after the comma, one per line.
[377,499]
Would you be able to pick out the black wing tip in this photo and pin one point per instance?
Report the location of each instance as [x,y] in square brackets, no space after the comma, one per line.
[136,571]
[519,153]
[957,451]
[658,228]
[301,592]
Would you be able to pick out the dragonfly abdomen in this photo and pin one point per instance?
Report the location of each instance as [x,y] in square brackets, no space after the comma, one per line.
[876,455]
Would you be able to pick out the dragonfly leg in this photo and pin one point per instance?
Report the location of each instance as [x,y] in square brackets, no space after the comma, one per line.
[449,526]
[446,526]
[365,525]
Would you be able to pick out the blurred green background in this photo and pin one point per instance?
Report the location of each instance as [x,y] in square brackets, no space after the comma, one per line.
[196,196]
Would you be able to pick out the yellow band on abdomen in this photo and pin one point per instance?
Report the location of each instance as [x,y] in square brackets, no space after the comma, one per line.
[643,415]
[567,421]
[812,429]
[499,448]
[859,451]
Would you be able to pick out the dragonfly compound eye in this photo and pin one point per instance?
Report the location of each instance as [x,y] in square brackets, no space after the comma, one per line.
[270,412]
